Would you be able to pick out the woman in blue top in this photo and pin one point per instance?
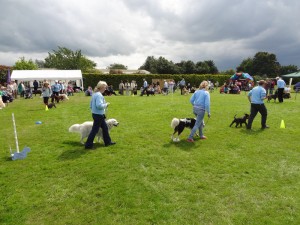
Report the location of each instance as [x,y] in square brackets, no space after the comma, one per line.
[201,104]
[98,106]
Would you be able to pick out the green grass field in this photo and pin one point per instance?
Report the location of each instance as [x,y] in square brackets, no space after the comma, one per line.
[236,176]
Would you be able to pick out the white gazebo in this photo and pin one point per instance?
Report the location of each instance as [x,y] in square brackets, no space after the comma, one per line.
[48,75]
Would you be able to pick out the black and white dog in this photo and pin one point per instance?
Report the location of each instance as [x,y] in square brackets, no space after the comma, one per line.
[179,124]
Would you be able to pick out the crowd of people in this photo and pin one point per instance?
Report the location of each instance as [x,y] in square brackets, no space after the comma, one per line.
[12,90]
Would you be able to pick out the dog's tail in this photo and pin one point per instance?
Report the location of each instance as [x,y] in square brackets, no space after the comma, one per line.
[75,128]
[175,122]
[235,116]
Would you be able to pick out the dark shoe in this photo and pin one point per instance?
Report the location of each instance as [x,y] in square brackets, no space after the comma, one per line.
[111,143]
[265,127]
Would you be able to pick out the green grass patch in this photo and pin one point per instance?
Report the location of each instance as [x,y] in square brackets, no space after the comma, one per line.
[234,177]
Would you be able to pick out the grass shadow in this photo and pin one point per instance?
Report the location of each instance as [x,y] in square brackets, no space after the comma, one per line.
[75,153]
[252,131]
[73,143]
[7,158]
[72,154]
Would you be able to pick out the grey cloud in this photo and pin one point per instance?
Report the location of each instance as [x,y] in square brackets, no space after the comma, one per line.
[219,30]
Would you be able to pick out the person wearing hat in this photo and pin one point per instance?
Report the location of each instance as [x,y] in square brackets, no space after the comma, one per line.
[256,97]
[46,92]
[280,86]
[98,106]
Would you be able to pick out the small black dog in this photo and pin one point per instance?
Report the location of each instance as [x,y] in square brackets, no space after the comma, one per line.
[273,96]
[240,121]
[179,124]
[50,105]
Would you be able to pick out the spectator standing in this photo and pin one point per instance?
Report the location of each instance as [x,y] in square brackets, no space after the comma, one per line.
[145,86]
[35,86]
[21,89]
[15,89]
[10,88]
[133,87]
[182,85]
[171,86]
[127,87]
[280,86]
[70,90]
[121,88]
[62,87]
[217,85]
[166,87]
[272,86]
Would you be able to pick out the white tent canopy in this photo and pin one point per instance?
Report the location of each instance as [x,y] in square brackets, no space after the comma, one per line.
[47,75]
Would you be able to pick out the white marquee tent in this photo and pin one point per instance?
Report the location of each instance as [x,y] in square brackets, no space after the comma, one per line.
[48,75]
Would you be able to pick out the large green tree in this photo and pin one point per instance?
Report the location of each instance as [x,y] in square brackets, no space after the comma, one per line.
[117,66]
[246,66]
[24,64]
[187,67]
[66,59]
[150,65]
[164,66]
[212,67]
[262,64]
[265,63]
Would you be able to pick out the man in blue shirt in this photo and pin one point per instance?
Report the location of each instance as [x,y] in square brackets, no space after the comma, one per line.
[145,86]
[181,85]
[55,88]
[256,97]
[280,87]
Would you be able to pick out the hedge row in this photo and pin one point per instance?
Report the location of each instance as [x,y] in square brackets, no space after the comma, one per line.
[114,79]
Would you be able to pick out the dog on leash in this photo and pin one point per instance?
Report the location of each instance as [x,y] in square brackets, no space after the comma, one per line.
[85,128]
[63,97]
[51,105]
[240,120]
[179,124]
[270,97]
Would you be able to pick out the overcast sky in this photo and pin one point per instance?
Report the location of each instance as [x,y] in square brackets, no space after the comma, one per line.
[127,31]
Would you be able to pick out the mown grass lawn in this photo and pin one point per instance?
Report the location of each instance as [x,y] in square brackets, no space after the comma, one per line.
[234,177]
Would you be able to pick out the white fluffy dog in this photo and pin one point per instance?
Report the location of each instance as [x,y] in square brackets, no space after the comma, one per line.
[85,128]
[65,97]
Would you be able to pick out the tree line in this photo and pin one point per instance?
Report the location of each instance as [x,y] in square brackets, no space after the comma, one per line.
[262,64]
